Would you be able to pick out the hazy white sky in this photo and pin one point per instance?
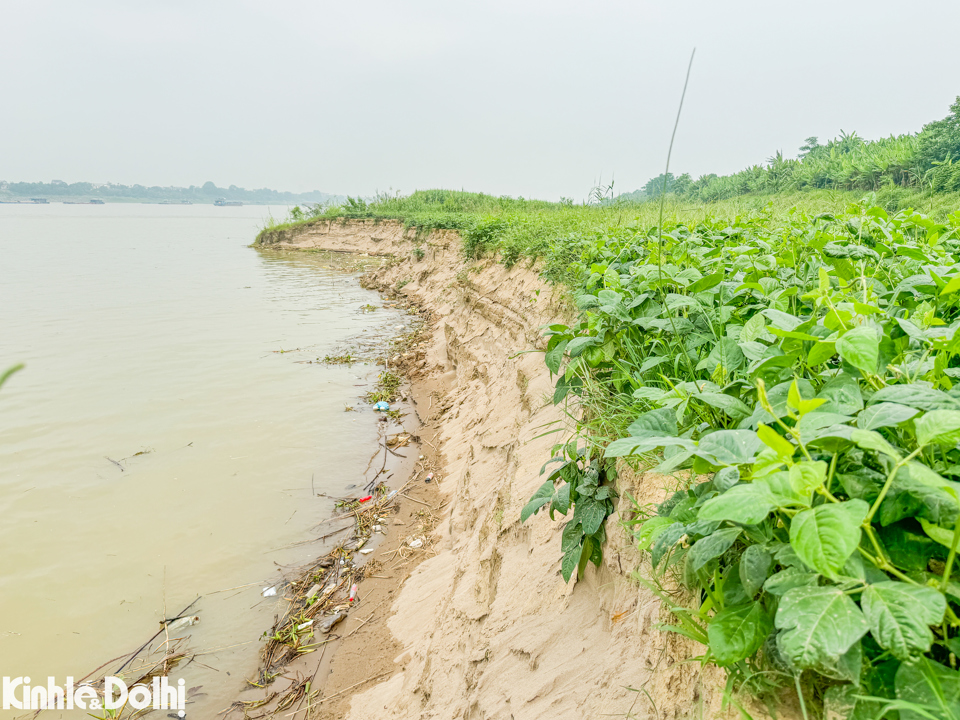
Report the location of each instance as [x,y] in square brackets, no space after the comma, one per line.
[521,97]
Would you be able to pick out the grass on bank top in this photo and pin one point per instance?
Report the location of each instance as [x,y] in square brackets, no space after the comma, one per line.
[553,232]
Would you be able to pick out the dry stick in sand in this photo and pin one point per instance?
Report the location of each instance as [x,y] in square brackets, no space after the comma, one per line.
[364,622]
[331,697]
[414,499]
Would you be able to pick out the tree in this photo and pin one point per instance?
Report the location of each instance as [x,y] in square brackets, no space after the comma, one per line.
[658,185]
[809,145]
[940,140]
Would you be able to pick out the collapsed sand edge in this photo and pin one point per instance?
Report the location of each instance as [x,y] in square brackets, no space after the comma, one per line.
[487,627]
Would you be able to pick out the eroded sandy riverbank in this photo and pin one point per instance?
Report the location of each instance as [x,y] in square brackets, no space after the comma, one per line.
[486,627]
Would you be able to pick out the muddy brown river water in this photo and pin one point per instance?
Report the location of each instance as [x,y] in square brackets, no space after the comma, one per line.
[158,446]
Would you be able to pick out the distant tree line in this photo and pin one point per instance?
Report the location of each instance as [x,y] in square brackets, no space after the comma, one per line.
[928,160]
[206,193]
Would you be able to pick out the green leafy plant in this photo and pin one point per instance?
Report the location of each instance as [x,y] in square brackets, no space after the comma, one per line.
[808,369]
[585,484]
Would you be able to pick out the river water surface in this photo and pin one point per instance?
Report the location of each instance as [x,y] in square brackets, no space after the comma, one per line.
[151,337]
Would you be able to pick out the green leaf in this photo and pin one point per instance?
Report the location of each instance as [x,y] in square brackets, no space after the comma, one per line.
[900,616]
[640,444]
[806,477]
[870,440]
[884,415]
[929,686]
[666,540]
[725,478]
[822,351]
[819,624]
[846,702]
[861,348]
[651,530]
[752,328]
[662,420]
[730,405]
[651,362]
[786,580]
[736,633]
[592,514]
[941,427]
[842,394]
[952,286]
[937,533]
[909,498]
[569,562]
[916,396]
[712,546]
[782,320]
[729,447]
[540,498]
[776,442]
[555,356]
[755,564]
[576,346]
[706,283]
[826,536]
[745,504]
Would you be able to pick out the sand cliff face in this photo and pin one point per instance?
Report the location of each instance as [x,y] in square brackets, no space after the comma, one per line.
[489,627]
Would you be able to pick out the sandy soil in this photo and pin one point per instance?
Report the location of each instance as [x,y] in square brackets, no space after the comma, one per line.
[485,627]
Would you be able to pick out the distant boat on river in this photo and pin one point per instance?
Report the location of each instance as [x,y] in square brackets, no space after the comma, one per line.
[223,202]
[95,201]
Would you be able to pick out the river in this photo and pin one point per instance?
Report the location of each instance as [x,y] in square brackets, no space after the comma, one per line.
[158,445]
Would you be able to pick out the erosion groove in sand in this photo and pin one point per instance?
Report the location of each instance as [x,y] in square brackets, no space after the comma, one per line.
[487,626]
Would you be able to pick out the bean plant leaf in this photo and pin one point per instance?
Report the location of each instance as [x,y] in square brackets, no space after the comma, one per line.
[929,686]
[666,541]
[884,415]
[807,476]
[576,346]
[640,444]
[569,562]
[821,352]
[826,536]
[730,405]
[916,396]
[752,329]
[729,447]
[661,420]
[776,442]
[871,440]
[940,427]
[819,625]
[755,564]
[782,320]
[789,578]
[651,530]
[712,547]
[937,533]
[744,504]
[736,633]
[725,478]
[900,616]
[842,394]
[861,348]
[847,702]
